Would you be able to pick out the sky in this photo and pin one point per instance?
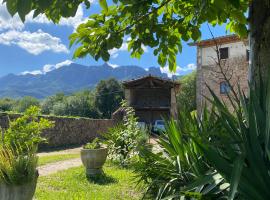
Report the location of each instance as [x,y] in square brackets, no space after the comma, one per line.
[39,46]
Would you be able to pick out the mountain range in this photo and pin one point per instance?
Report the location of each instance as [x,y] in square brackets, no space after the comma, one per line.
[68,79]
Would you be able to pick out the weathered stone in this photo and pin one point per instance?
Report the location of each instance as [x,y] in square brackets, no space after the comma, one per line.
[68,131]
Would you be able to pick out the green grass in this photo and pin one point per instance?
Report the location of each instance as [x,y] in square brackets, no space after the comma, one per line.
[72,184]
[43,160]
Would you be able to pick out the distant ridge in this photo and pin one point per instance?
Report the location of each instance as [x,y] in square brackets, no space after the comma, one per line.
[68,79]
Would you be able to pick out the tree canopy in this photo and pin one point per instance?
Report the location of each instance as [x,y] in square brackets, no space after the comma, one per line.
[109,94]
[159,24]
[186,98]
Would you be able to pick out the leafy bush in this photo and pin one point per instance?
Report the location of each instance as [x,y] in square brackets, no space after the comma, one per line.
[123,139]
[18,160]
[78,104]
[186,98]
[109,94]
[95,144]
[25,131]
[7,104]
[24,103]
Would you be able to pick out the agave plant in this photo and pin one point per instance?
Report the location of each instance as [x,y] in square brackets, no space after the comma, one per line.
[243,159]
[172,169]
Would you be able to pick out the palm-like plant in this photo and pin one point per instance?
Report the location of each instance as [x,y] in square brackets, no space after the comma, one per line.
[243,159]
[172,168]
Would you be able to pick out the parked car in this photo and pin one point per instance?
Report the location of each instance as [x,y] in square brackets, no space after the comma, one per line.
[159,126]
[142,125]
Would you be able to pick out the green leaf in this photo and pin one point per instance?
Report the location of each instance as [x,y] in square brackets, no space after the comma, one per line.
[24,7]
[36,13]
[235,3]
[196,34]
[87,4]
[235,177]
[104,5]
[12,7]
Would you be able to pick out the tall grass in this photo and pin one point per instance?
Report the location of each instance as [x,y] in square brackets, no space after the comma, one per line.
[17,168]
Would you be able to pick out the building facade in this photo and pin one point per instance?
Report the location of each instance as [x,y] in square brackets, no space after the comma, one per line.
[152,98]
[223,56]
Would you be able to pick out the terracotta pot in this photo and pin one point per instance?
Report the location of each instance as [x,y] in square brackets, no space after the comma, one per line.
[93,160]
[18,192]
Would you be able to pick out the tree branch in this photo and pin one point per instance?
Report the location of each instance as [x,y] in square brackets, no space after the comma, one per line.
[144,16]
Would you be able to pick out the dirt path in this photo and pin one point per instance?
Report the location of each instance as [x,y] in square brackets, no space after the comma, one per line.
[67,151]
[66,164]
[58,166]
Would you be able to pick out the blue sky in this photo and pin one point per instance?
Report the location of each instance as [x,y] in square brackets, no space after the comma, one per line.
[38,46]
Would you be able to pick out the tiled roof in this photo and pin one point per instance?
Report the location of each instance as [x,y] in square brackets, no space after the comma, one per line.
[219,40]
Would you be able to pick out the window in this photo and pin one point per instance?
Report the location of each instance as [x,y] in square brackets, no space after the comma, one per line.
[224,53]
[224,87]
[247,54]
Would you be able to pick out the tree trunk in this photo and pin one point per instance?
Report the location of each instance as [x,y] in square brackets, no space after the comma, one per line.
[259,37]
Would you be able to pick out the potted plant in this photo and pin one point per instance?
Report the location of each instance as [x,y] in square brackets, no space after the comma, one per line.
[93,156]
[18,159]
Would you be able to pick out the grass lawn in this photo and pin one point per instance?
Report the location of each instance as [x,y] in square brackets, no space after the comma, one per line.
[72,184]
[43,160]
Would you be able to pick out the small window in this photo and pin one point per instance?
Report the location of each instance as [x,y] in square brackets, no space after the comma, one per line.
[224,87]
[247,54]
[224,53]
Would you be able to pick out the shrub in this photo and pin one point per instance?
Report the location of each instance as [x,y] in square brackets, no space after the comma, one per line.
[242,156]
[170,167]
[25,131]
[18,160]
[24,103]
[95,144]
[123,139]
[7,104]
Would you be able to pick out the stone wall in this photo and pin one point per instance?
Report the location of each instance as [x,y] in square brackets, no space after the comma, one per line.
[68,131]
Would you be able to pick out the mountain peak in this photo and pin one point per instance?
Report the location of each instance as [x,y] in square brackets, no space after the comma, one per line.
[69,78]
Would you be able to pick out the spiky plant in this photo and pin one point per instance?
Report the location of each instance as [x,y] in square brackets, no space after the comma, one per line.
[17,168]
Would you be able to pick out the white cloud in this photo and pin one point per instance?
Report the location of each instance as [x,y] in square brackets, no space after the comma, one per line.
[71,21]
[190,66]
[47,68]
[113,65]
[34,43]
[179,70]
[64,63]
[7,22]
[35,72]
[115,52]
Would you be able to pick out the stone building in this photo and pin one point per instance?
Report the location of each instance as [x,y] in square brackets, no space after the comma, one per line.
[152,98]
[233,63]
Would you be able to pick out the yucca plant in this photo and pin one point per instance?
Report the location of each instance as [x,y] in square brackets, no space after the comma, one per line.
[243,156]
[171,171]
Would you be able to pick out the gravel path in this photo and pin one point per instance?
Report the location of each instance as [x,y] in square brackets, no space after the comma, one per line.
[66,164]
[67,151]
[58,166]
